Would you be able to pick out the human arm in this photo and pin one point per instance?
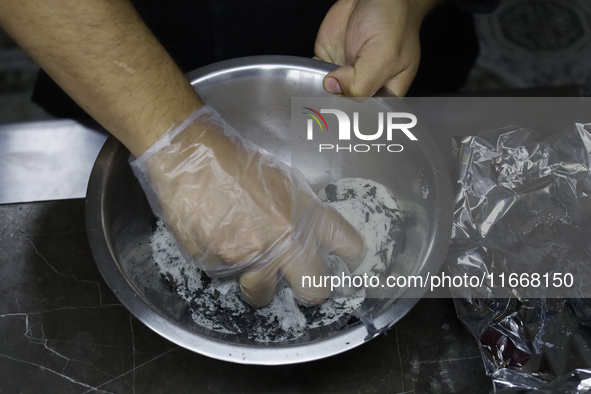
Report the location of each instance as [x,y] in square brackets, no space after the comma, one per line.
[228,214]
[103,55]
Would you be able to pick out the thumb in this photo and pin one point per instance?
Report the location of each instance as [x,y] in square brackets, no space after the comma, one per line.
[368,74]
[345,81]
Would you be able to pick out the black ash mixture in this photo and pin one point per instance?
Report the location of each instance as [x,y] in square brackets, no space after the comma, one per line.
[216,304]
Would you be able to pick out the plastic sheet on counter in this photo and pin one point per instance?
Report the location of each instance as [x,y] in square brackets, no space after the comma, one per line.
[524,206]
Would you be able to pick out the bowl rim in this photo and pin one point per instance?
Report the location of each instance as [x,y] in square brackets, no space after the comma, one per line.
[277,354]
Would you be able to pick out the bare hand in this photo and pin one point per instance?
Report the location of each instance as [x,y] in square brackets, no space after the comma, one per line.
[376,43]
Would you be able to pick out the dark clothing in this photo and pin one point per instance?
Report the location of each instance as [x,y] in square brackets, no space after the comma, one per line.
[200,32]
[477,6]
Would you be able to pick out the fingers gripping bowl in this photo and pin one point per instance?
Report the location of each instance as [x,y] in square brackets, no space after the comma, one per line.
[254,95]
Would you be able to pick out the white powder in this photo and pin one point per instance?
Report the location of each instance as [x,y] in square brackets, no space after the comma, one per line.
[425,192]
[369,207]
[216,303]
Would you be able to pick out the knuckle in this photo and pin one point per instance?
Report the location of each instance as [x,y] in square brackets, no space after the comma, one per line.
[359,90]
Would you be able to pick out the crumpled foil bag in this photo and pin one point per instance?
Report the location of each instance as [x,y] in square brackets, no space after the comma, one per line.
[525,206]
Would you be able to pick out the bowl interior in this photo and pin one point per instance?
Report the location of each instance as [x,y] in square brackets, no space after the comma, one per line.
[254,96]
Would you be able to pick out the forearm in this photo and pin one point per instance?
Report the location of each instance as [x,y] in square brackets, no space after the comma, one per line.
[103,55]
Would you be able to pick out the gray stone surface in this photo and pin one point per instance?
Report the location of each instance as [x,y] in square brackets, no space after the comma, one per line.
[63,331]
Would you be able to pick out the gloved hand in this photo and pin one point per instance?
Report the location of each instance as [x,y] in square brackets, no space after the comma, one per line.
[375,41]
[237,210]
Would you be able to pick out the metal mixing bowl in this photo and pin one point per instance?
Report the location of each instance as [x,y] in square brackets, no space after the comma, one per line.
[253,94]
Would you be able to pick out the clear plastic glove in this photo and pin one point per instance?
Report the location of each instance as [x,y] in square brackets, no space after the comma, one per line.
[238,211]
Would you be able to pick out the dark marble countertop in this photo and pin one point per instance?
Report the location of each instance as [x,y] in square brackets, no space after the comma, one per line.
[63,331]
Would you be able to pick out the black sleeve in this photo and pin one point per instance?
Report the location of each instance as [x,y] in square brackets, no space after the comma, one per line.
[477,6]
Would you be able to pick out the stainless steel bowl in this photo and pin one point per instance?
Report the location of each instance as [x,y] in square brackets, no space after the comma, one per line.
[253,94]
